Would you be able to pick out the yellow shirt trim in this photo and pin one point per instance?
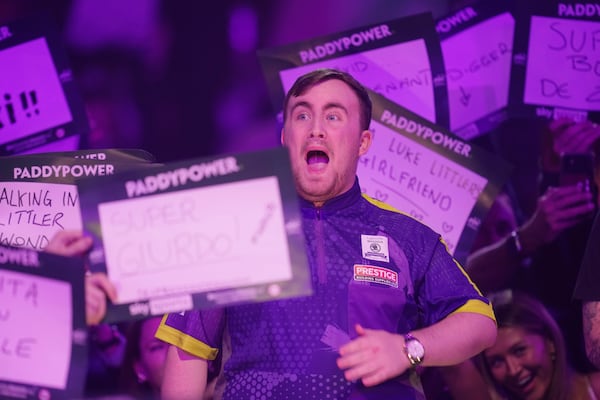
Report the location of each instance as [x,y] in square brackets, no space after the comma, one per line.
[478,307]
[185,342]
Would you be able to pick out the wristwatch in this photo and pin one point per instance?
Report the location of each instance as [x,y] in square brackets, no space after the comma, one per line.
[414,350]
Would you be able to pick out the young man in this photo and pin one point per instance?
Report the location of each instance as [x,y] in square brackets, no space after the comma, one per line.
[352,339]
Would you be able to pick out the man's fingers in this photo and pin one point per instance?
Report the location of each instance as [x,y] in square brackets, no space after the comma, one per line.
[359,370]
[95,305]
[79,246]
[101,282]
[69,243]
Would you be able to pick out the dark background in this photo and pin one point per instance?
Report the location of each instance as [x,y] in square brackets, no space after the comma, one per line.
[181,78]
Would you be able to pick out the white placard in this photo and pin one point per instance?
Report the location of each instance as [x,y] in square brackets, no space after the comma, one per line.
[31,95]
[563,63]
[421,182]
[478,64]
[32,212]
[400,72]
[35,330]
[195,240]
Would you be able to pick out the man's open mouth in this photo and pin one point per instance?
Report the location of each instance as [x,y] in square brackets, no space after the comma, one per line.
[315,156]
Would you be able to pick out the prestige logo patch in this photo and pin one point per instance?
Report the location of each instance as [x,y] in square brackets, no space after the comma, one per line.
[375,247]
[371,273]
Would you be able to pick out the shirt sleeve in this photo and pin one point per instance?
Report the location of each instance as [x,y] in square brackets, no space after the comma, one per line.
[198,332]
[446,288]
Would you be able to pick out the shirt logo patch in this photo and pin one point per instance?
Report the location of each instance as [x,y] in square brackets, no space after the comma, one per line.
[375,247]
[371,273]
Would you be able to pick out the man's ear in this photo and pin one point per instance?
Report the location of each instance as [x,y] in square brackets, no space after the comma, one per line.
[282,137]
[366,138]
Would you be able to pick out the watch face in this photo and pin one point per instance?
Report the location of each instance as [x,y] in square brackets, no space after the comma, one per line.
[415,348]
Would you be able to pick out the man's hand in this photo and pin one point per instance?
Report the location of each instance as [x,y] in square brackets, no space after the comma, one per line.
[374,357]
[69,243]
[97,288]
[559,208]
[573,137]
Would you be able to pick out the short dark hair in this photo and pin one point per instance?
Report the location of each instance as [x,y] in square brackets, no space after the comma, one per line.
[308,80]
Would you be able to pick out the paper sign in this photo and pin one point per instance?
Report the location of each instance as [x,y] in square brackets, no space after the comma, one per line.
[399,59]
[39,104]
[427,172]
[556,63]
[158,242]
[477,47]
[38,196]
[197,233]
[42,325]
[571,48]
[28,82]
[36,298]
[31,212]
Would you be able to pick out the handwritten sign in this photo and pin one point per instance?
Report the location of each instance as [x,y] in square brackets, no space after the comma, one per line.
[399,59]
[27,298]
[42,324]
[31,213]
[571,48]
[426,171]
[38,196]
[197,233]
[556,66]
[477,47]
[39,104]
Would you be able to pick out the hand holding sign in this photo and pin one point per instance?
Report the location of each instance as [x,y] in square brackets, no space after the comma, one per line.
[186,234]
[69,243]
[573,137]
[97,286]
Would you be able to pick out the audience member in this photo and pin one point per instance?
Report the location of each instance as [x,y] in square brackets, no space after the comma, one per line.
[529,360]
[107,342]
[352,338]
[105,356]
[502,247]
[542,255]
[143,363]
[506,254]
[587,290]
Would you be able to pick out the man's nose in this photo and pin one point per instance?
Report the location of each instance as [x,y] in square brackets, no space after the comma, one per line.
[317,129]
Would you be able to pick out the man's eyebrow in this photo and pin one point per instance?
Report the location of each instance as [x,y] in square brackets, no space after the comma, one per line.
[328,106]
[336,105]
[300,104]
[308,105]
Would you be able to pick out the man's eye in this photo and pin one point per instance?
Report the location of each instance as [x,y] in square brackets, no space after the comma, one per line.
[333,117]
[302,116]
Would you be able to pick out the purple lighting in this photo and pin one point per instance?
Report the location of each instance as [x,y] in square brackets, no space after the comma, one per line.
[243,29]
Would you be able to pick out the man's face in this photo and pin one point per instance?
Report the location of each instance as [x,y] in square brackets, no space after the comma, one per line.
[322,132]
